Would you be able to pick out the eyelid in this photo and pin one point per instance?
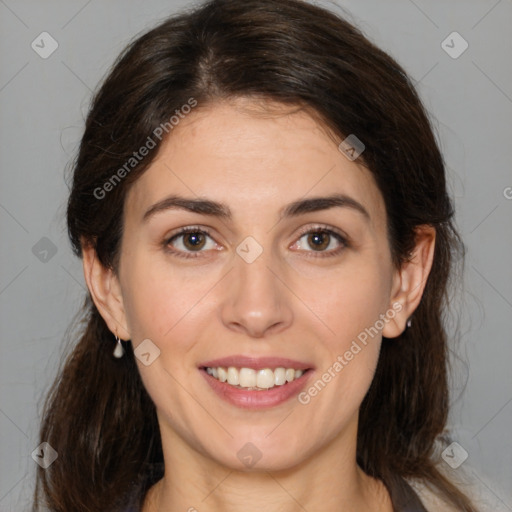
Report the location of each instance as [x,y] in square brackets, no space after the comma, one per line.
[189,229]
[342,238]
[324,227]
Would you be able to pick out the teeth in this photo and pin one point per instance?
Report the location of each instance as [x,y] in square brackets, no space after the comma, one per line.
[265,378]
[280,376]
[222,374]
[249,378]
[233,376]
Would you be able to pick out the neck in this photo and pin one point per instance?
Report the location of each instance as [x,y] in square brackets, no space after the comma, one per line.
[330,481]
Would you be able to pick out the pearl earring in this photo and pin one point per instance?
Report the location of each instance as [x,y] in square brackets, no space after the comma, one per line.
[119,350]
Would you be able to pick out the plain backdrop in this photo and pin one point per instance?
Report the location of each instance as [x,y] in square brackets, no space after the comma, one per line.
[43,102]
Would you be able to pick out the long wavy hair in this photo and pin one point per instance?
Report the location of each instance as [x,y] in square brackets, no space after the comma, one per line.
[98,415]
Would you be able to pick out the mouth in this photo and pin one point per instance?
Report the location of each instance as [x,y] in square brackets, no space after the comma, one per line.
[256,383]
[251,379]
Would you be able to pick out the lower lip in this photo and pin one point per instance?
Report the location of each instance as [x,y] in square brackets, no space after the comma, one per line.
[257,399]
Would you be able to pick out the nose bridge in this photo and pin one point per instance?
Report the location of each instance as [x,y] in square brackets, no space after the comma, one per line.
[254,275]
[256,300]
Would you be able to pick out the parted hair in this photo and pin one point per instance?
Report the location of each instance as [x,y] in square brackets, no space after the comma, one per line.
[98,415]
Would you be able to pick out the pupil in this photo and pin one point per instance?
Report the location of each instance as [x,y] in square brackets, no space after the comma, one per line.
[194,240]
[320,240]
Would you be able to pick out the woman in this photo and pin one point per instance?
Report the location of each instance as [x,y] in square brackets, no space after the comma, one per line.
[260,206]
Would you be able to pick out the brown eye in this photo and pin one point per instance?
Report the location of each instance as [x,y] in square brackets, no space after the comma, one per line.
[194,241]
[319,240]
[190,242]
[323,241]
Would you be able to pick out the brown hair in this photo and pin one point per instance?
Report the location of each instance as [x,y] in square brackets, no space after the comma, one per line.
[98,415]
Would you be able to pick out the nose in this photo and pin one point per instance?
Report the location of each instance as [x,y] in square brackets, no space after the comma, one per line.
[256,302]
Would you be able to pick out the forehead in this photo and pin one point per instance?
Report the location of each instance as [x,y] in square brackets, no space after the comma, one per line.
[255,158]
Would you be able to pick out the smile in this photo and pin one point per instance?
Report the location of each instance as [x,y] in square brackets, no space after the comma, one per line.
[251,379]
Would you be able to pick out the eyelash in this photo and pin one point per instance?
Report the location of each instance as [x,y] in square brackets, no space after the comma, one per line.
[329,230]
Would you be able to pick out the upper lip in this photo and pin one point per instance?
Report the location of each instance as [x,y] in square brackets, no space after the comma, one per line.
[257,363]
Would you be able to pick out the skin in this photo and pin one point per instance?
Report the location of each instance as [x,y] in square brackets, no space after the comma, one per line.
[292,301]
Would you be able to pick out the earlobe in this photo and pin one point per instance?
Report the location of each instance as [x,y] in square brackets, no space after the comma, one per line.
[105,291]
[410,280]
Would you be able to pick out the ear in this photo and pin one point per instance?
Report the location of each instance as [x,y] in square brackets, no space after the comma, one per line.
[105,291]
[409,281]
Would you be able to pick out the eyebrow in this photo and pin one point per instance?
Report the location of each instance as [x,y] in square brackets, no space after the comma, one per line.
[222,211]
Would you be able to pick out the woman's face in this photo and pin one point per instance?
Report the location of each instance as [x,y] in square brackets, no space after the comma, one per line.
[268,270]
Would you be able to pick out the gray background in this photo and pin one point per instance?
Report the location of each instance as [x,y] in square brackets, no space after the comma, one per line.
[43,103]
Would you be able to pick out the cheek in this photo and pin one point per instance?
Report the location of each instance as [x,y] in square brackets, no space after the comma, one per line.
[348,301]
[161,300]
[351,306]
